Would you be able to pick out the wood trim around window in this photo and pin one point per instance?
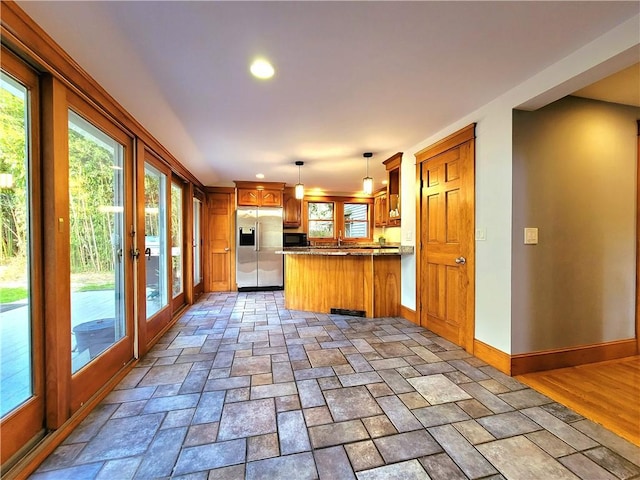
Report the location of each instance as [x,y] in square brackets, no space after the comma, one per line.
[338,217]
[55,215]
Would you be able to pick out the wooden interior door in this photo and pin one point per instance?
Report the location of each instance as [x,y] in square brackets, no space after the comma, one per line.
[446,276]
[219,221]
[638,243]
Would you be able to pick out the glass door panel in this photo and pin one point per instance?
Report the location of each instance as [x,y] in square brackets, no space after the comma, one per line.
[155,239]
[16,371]
[97,236]
[176,240]
[197,244]
[22,404]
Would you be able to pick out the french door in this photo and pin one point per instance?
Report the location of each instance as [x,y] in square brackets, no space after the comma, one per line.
[101,246]
[67,239]
[178,232]
[153,266]
[197,244]
[21,314]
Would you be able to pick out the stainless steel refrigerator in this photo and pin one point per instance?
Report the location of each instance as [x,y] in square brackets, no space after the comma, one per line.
[258,238]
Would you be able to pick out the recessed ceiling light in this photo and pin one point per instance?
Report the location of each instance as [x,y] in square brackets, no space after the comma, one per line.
[261,68]
[259,175]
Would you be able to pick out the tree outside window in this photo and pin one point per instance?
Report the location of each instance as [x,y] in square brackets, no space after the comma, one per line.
[321,220]
[176,238]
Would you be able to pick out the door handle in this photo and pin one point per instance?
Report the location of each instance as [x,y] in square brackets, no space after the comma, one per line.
[147,252]
[226,249]
[461,260]
[135,253]
[257,236]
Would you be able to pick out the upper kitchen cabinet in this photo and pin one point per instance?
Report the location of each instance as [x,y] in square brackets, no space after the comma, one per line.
[392,165]
[259,194]
[292,209]
[380,212]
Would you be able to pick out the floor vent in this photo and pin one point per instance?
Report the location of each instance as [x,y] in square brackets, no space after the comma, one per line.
[344,311]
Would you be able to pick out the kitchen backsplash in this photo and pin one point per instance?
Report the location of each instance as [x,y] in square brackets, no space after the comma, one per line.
[391,234]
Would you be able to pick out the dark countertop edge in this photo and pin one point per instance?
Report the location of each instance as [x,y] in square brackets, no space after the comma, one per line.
[342,253]
[395,251]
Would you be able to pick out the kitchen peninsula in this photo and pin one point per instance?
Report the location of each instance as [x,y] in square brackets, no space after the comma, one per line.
[361,280]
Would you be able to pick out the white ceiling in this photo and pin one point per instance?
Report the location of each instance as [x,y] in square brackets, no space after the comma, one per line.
[350,76]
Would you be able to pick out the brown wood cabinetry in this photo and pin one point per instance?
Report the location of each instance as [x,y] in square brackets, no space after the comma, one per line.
[259,194]
[368,283]
[292,209]
[380,210]
[392,165]
[248,197]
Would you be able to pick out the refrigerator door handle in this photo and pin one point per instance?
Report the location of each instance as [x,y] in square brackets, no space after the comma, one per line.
[257,242]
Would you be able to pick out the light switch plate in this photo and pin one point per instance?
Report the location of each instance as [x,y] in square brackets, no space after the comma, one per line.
[530,236]
[481,234]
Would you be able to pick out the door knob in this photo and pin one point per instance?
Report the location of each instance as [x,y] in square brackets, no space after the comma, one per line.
[226,249]
[461,260]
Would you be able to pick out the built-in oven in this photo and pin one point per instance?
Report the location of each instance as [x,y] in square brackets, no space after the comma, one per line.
[290,239]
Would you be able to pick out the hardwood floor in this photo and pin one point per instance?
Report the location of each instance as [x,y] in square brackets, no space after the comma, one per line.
[607,393]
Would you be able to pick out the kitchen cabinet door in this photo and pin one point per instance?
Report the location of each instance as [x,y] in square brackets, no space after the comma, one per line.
[257,197]
[270,198]
[392,165]
[248,197]
[292,209]
[380,209]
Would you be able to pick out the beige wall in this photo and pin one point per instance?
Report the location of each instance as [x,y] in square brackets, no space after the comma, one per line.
[574,171]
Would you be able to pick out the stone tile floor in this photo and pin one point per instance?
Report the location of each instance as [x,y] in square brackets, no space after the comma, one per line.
[241,388]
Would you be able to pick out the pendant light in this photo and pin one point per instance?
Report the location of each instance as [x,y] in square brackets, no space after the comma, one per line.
[299,186]
[367,182]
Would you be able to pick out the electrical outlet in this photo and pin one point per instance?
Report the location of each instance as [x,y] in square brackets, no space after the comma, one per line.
[530,236]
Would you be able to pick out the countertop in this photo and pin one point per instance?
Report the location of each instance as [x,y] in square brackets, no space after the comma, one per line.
[361,250]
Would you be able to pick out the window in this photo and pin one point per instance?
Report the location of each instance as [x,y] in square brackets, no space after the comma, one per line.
[176,238]
[330,218]
[155,239]
[197,247]
[97,237]
[356,220]
[16,286]
[321,219]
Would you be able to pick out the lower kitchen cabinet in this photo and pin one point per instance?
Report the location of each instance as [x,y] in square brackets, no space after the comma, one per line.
[360,283]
